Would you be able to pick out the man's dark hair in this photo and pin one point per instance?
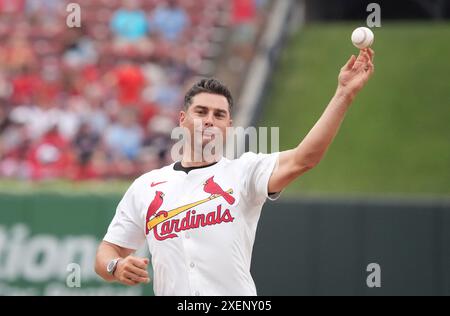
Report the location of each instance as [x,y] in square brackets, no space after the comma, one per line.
[212,86]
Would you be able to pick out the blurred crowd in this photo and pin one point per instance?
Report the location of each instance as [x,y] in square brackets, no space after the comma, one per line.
[101,100]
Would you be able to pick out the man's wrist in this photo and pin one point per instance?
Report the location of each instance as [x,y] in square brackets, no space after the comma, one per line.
[112,265]
[344,95]
[115,270]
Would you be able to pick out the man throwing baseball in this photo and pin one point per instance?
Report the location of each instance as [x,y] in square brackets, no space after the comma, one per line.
[199,217]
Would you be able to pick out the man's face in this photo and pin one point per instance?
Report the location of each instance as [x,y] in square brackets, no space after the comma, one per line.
[208,112]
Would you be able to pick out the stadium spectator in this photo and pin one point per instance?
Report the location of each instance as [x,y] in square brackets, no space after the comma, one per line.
[79,50]
[4,119]
[170,20]
[130,27]
[17,53]
[245,23]
[15,143]
[12,6]
[26,86]
[49,10]
[168,94]
[124,137]
[156,143]
[51,157]
[130,82]
[5,87]
[85,144]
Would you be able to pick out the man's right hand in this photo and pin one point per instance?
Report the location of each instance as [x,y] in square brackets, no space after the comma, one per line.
[132,271]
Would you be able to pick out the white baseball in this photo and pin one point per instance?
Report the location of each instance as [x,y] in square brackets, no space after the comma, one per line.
[362,37]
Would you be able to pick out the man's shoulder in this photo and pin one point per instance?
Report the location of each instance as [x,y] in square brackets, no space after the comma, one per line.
[250,158]
[241,162]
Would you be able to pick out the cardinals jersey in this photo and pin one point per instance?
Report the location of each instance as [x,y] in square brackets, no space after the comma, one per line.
[199,224]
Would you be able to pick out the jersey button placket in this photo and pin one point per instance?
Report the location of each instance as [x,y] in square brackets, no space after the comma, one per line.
[194,278]
[191,271]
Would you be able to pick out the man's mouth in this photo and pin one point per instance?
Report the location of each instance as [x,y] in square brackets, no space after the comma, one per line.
[208,133]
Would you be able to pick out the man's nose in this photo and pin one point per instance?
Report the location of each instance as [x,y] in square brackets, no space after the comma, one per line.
[209,120]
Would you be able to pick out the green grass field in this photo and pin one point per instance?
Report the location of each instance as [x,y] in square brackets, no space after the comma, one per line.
[396,137]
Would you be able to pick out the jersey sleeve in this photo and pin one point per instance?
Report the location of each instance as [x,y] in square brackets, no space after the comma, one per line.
[126,229]
[257,171]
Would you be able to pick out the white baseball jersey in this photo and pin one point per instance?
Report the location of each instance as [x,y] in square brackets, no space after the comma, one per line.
[199,223]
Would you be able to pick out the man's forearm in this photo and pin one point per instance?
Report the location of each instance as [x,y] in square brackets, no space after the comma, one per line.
[129,270]
[314,146]
[105,254]
[295,162]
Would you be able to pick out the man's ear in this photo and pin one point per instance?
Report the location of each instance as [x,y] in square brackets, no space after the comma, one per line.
[182,117]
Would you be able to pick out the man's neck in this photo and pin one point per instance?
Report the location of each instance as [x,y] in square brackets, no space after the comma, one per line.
[189,162]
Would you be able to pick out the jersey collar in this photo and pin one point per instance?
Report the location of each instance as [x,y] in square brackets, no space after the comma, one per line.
[178,167]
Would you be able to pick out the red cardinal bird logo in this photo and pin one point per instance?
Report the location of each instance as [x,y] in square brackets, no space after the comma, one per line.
[213,188]
[153,208]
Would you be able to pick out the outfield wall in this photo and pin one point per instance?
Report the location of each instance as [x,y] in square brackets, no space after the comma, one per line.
[325,247]
[41,235]
[307,247]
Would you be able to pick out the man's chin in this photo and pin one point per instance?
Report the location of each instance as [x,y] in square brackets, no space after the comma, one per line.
[208,142]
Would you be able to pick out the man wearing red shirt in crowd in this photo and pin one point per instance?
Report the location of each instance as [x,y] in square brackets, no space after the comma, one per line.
[25,87]
[12,6]
[130,81]
[245,27]
[243,11]
[51,157]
